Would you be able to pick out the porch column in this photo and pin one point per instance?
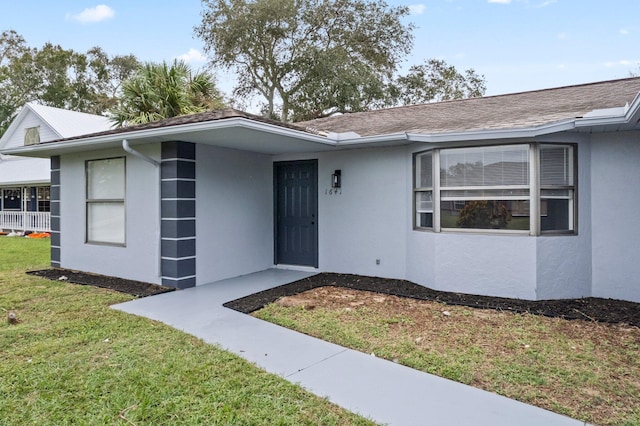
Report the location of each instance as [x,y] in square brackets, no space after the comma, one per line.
[178,213]
[55,211]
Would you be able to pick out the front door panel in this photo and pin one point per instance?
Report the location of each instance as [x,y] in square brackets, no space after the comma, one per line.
[296,213]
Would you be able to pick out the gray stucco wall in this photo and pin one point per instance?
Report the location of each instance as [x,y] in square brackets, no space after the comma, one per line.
[366,219]
[495,265]
[139,259]
[564,262]
[615,185]
[234,213]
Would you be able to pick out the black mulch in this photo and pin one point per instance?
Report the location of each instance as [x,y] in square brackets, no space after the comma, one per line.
[135,288]
[590,308]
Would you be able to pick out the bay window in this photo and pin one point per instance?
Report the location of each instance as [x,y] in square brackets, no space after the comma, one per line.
[105,214]
[493,188]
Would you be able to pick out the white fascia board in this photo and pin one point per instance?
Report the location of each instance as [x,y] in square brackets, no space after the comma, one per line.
[103,141]
[491,134]
[39,182]
[393,138]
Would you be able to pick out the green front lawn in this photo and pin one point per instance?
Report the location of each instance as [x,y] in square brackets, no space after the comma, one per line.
[73,360]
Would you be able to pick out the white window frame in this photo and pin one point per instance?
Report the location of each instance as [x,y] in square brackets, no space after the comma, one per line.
[422,189]
[534,189]
[91,201]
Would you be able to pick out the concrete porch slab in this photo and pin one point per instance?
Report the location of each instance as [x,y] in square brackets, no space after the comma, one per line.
[381,390]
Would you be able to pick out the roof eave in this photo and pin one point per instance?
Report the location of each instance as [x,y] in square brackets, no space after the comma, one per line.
[492,134]
[160,133]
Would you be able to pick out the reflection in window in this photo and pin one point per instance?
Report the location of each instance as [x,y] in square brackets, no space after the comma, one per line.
[105,201]
[489,188]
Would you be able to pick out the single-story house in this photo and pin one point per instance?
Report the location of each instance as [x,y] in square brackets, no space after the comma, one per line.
[24,182]
[515,195]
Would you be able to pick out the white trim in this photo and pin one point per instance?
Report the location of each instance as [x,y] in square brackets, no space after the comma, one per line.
[191,160]
[177,218]
[178,238]
[164,132]
[296,268]
[177,258]
[177,279]
[178,179]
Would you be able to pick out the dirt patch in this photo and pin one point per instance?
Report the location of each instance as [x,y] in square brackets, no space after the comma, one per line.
[589,309]
[135,288]
[584,369]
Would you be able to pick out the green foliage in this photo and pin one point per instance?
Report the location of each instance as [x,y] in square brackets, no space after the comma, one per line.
[160,90]
[313,58]
[73,360]
[307,58]
[435,80]
[86,82]
[484,214]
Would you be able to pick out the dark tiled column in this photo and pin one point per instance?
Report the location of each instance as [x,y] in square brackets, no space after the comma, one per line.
[55,211]
[178,212]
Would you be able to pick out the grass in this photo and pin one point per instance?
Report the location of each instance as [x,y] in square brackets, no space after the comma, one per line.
[73,360]
[585,370]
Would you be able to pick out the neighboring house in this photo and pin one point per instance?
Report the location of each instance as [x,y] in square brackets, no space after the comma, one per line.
[24,182]
[531,195]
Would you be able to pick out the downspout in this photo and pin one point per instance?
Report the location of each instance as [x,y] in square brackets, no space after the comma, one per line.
[127,148]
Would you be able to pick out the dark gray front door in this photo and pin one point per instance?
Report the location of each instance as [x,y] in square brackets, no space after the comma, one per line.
[296,213]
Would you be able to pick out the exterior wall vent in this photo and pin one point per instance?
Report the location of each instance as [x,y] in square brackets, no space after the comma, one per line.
[32,136]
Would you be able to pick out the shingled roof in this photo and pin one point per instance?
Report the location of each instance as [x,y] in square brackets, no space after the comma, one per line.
[512,111]
[201,117]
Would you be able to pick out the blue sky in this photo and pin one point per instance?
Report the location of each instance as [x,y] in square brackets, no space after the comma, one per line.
[518,45]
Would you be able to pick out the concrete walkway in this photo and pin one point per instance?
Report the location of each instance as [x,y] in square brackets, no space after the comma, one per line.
[381,390]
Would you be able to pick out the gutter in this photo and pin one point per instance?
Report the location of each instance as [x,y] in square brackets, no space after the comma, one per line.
[525,132]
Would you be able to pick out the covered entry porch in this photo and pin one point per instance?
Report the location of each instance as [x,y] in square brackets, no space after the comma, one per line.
[25,208]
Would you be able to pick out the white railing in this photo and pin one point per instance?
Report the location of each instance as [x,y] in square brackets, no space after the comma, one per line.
[25,221]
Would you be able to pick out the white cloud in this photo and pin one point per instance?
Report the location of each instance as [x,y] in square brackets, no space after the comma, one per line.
[624,31]
[500,1]
[623,62]
[563,36]
[93,14]
[193,55]
[416,9]
[547,3]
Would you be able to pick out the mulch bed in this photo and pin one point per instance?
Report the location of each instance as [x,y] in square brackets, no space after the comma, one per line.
[590,308]
[135,288]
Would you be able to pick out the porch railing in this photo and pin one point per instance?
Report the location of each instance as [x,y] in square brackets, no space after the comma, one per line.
[25,221]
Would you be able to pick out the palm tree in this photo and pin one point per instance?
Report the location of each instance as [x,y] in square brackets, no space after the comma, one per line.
[160,90]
